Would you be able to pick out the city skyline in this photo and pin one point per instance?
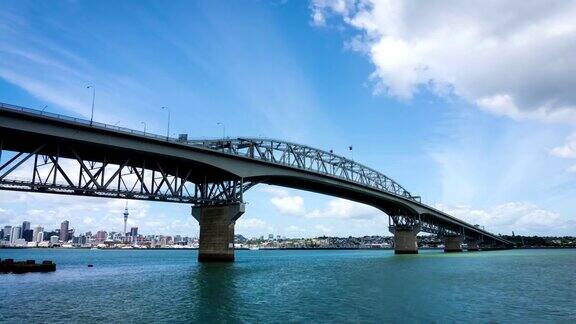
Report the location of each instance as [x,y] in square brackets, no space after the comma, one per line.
[479,153]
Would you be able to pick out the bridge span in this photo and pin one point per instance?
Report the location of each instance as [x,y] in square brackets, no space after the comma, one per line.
[50,153]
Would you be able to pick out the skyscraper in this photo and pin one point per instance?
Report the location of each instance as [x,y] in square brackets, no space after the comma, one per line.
[7,232]
[27,235]
[15,234]
[101,236]
[38,234]
[25,226]
[134,233]
[64,231]
[26,232]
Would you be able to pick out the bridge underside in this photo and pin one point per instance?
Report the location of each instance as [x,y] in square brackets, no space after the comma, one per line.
[50,165]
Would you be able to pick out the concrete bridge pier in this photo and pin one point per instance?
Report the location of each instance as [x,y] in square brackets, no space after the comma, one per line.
[217,231]
[452,243]
[472,245]
[405,241]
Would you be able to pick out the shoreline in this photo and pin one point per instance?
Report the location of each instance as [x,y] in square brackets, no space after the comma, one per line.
[267,249]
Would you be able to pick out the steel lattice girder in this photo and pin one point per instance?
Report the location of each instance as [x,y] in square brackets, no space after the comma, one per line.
[305,157]
[39,171]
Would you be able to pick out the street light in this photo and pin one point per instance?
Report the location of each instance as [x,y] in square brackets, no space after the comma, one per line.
[93,98]
[144,127]
[168,130]
[223,130]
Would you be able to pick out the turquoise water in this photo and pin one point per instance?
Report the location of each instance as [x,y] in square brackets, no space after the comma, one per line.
[293,286]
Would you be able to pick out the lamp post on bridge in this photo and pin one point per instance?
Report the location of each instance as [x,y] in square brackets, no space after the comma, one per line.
[168,130]
[93,98]
[223,130]
[144,127]
[351,152]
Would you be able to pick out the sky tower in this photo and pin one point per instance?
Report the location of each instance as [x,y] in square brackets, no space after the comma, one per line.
[125,219]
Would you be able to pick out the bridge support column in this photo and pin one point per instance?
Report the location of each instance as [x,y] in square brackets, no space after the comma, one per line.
[217,231]
[452,243]
[472,246]
[405,241]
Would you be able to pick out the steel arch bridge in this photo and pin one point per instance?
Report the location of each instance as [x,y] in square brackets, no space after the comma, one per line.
[50,153]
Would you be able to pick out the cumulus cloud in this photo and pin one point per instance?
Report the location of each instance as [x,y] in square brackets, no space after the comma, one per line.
[336,208]
[510,58]
[520,217]
[323,229]
[289,205]
[568,150]
[294,229]
[251,223]
[284,202]
[344,209]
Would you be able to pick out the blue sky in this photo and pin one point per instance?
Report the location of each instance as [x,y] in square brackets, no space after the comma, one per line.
[483,133]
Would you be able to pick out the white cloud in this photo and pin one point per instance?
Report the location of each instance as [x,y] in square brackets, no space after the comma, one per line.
[289,205]
[250,223]
[323,229]
[568,150]
[344,209]
[294,229]
[521,217]
[275,191]
[510,58]
[336,208]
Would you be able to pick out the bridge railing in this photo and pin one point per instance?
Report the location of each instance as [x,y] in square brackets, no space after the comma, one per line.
[81,121]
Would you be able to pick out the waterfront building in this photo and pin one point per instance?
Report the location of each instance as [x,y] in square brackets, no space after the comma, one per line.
[81,239]
[70,234]
[54,239]
[39,237]
[7,231]
[48,235]
[64,231]
[101,236]
[27,235]
[133,233]
[25,226]
[36,234]
[15,234]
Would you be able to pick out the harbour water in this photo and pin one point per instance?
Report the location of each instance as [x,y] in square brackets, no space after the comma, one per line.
[294,286]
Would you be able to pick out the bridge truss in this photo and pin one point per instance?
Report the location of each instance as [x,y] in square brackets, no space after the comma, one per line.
[43,170]
[306,158]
